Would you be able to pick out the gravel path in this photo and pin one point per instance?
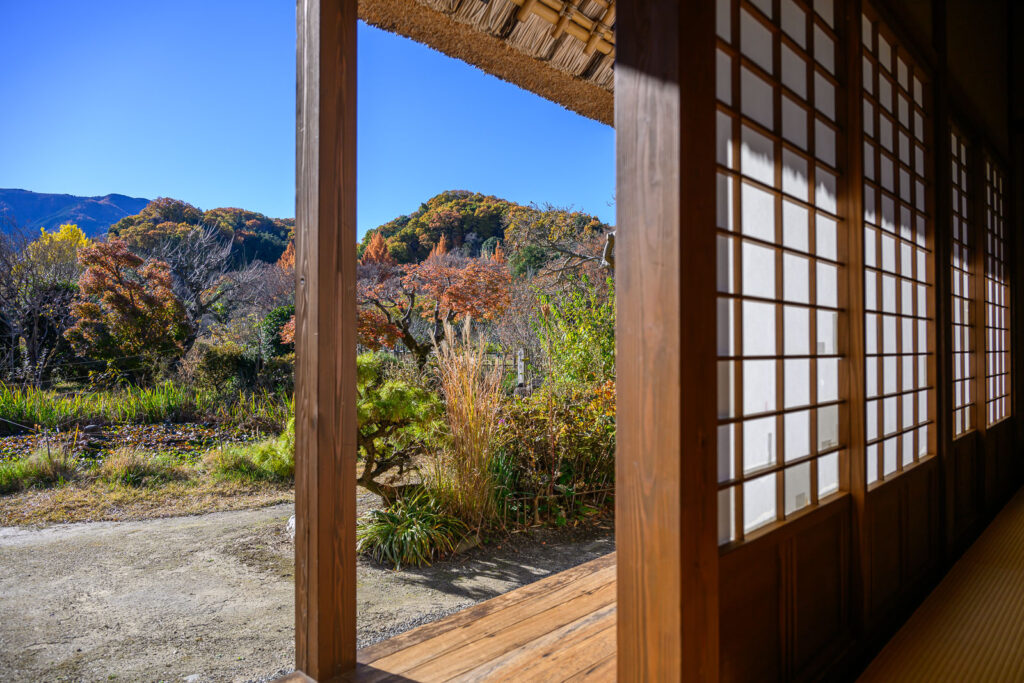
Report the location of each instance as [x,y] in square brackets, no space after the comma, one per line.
[210,598]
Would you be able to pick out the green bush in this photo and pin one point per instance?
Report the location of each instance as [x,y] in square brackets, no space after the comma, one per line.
[557,442]
[413,531]
[230,366]
[577,333]
[270,330]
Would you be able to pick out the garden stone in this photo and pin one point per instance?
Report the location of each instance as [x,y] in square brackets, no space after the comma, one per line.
[467,543]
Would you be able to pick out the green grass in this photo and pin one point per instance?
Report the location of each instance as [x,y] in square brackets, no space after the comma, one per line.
[167,402]
[44,468]
[132,467]
[268,460]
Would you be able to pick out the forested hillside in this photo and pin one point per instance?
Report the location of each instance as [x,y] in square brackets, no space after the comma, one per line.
[474,223]
[252,235]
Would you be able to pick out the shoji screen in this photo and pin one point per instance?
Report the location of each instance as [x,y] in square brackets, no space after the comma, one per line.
[899,277]
[780,295]
[997,299]
[963,290]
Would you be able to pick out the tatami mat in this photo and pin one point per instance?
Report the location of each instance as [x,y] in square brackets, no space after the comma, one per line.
[971,628]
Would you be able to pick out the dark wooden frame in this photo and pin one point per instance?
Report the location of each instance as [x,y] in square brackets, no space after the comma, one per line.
[872,545]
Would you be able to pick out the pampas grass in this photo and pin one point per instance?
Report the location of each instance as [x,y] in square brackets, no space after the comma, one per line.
[461,474]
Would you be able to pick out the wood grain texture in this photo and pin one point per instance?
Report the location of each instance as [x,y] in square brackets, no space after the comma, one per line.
[553,630]
[325,380]
[666,498]
[853,194]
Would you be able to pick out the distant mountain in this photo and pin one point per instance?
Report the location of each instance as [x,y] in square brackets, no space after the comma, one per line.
[34,210]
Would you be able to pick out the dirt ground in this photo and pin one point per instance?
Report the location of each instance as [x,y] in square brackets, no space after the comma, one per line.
[210,597]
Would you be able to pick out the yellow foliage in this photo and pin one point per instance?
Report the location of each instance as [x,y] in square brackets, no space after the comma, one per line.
[57,251]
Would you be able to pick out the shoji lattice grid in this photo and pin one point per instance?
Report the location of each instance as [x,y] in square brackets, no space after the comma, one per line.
[963,292]
[898,276]
[779,397]
[997,300]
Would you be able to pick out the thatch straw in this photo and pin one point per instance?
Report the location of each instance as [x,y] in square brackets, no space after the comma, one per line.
[572,67]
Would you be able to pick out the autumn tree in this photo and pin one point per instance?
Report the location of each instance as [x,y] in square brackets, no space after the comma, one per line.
[411,304]
[37,284]
[126,308]
[199,263]
[557,241]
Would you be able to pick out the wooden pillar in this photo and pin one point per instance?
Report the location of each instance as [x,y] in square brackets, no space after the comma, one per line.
[942,175]
[325,382]
[666,497]
[852,182]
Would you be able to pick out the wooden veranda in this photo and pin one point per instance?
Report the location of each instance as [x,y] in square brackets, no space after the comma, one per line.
[817,237]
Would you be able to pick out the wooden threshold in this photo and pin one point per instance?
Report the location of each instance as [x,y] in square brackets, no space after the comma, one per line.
[561,628]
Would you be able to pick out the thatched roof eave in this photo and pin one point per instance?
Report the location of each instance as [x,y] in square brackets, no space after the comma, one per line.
[412,19]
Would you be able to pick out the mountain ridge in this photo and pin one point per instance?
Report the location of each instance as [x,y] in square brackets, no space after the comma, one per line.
[30,211]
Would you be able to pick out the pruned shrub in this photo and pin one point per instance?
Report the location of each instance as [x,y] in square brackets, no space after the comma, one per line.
[414,530]
[399,417]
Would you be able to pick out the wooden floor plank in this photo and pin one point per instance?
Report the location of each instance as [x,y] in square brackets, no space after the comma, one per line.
[536,594]
[599,672]
[551,656]
[556,628]
[479,651]
[971,628]
[474,624]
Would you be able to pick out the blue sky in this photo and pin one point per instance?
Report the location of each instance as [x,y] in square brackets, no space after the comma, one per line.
[196,100]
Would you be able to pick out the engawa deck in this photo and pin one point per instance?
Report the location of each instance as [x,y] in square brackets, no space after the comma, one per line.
[561,628]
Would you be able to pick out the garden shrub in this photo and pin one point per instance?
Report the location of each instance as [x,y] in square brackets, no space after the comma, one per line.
[228,366]
[559,441]
[414,530]
[270,330]
[576,329]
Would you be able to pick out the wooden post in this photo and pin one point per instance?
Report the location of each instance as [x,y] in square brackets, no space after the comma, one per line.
[666,490]
[853,186]
[325,380]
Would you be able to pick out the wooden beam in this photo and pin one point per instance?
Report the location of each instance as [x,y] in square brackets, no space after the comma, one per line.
[325,314]
[666,498]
